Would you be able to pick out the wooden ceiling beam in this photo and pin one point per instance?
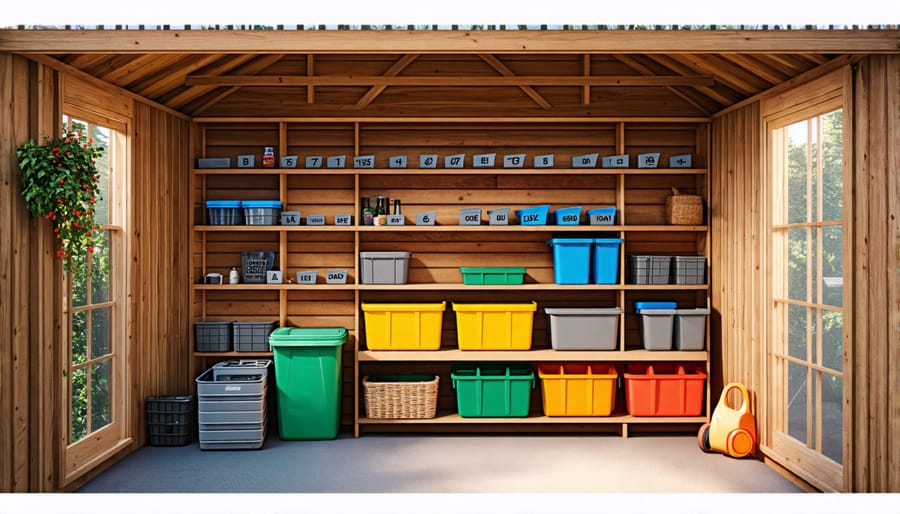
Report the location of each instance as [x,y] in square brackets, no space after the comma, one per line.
[502,69]
[725,72]
[639,67]
[759,68]
[138,67]
[239,64]
[162,83]
[713,93]
[518,81]
[449,41]
[393,71]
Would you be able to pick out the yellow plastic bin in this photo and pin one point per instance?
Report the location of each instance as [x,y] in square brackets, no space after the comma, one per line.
[578,389]
[403,326]
[494,326]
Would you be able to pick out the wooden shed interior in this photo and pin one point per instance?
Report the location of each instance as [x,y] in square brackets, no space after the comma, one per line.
[172,97]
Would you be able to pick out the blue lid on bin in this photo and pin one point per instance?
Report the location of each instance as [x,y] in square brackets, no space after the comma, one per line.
[562,241]
[608,241]
[223,204]
[642,306]
[287,337]
[261,204]
[603,210]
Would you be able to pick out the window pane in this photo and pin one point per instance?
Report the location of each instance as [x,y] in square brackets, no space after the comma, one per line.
[100,398]
[796,402]
[833,340]
[100,332]
[833,266]
[833,418]
[832,166]
[797,165]
[797,323]
[79,404]
[79,336]
[100,270]
[100,136]
[797,261]
[79,284]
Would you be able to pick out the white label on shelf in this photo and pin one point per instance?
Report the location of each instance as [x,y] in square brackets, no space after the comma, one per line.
[455,161]
[314,161]
[315,219]
[485,160]
[680,161]
[648,160]
[514,160]
[397,161]
[585,161]
[289,161]
[336,161]
[343,219]
[428,161]
[364,161]
[395,219]
[244,161]
[273,277]
[543,161]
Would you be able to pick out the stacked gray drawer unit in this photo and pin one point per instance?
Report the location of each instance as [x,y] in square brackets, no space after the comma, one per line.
[231,405]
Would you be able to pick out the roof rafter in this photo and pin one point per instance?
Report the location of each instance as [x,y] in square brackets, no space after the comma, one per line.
[442,81]
[506,72]
[393,71]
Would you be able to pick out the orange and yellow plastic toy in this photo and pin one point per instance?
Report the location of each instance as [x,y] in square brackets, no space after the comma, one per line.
[730,431]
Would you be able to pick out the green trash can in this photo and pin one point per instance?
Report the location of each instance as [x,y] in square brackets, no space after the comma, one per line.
[308,381]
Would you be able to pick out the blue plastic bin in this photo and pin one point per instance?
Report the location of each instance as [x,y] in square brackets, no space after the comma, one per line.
[568,216]
[652,306]
[571,260]
[606,260]
[536,215]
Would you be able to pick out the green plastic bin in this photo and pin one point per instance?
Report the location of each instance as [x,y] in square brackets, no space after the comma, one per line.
[308,381]
[493,389]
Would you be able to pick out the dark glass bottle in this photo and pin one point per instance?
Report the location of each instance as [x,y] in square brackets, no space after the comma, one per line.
[368,213]
[381,210]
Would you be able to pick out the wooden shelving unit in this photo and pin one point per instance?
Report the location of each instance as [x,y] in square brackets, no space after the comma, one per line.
[440,250]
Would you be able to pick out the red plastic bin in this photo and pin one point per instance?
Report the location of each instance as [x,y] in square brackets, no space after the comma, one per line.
[664,389]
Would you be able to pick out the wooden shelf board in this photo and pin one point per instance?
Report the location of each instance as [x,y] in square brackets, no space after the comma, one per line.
[532,287]
[456,418]
[271,287]
[450,228]
[450,171]
[528,355]
[236,355]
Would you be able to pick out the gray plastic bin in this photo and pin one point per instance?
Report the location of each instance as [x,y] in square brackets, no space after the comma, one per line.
[249,388]
[384,267]
[212,336]
[238,416]
[252,336]
[240,368]
[583,329]
[688,269]
[690,329]
[649,269]
[656,328]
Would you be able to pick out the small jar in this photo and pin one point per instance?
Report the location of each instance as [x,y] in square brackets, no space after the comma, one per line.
[233,276]
[268,160]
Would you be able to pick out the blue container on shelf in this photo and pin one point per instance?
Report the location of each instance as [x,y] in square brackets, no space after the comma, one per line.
[653,306]
[568,216]
[536,215]
[225,212]
[605,260]
[571,260]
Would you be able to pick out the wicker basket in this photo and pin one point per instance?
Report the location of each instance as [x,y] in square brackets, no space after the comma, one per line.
[401,396]
[684,209]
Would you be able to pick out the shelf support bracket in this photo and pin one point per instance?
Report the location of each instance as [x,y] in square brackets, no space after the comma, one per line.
[506,72]
[393,71]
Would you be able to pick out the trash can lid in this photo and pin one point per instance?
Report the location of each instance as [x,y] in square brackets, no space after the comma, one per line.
[298,336]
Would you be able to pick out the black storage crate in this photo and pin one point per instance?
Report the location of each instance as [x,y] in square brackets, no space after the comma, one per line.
[253,336]
[212,336]
[170,420]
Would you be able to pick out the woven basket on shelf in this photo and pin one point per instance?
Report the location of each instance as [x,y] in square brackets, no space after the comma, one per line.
[684,209]
[401,396]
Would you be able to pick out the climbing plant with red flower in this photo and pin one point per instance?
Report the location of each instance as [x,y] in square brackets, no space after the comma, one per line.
[60,184]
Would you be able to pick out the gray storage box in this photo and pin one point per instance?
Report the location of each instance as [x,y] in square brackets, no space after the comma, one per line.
[214,162]
[240,368]
[690,329]
[250,387]
[252,336]
[688,269]
[583,328]
[648,269]
[656,328]
[212,336]
[384,267]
